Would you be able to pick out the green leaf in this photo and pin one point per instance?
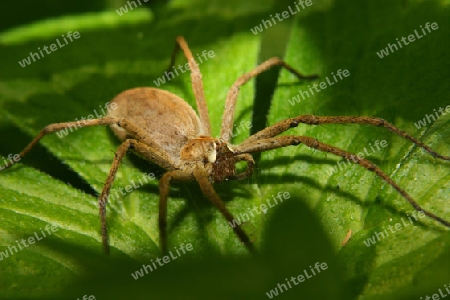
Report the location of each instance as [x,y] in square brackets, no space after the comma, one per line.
[58,182]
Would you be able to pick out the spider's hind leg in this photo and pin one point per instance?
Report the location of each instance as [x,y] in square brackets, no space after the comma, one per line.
[164,184]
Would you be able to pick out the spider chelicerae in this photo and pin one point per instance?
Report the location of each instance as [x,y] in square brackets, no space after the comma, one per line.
[164,129]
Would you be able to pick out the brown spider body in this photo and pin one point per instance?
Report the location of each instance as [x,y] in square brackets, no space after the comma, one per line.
[224,167]
[173,127]
[164,129]
[167,121]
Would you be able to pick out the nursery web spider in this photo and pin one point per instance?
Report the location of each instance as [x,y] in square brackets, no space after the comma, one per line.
[164,129]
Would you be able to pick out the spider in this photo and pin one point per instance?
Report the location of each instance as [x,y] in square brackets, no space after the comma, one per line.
[164,129]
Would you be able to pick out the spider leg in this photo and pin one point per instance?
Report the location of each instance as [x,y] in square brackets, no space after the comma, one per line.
[197,83]
[208,190]
[164,184]
[284,125]
[283,141]
[230,103]
[128,144]
[162,160]
[59,126]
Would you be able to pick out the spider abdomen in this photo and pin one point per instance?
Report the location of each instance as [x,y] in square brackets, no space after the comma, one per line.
[167,120]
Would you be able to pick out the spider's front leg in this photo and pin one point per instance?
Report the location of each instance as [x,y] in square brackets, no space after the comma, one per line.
[208,190]
[287,124]
[271,143]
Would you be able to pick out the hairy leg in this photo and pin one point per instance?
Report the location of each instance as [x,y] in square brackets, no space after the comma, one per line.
[103,198]
[164,184]
[284,125]
[208,190]
[230,104]
[159,157]
[283,141]
[197,83]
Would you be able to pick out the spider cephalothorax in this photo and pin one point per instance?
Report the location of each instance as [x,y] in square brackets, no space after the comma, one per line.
[215,156]
[224,167]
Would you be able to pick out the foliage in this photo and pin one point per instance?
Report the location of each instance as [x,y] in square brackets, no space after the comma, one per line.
[58,182]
